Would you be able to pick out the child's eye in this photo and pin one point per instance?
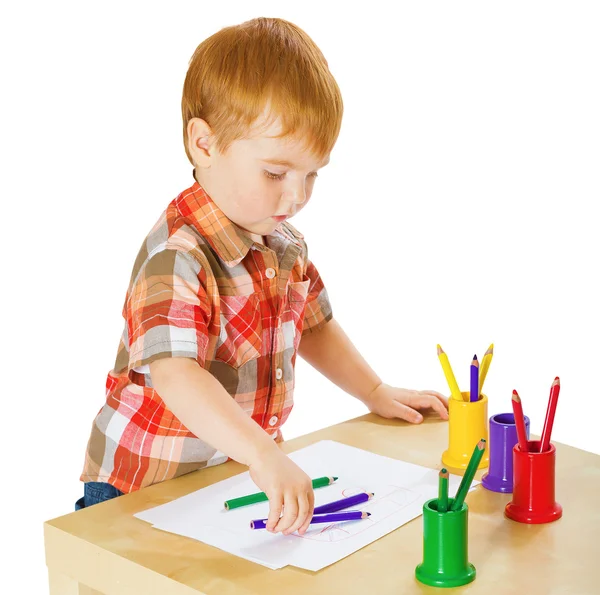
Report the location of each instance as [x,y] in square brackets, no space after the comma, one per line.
[273,176]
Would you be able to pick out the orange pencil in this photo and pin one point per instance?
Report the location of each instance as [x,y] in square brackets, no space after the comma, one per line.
[519,421]
[550,412]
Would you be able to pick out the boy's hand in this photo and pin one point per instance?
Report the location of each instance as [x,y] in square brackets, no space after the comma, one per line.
[391,402]
[288,488]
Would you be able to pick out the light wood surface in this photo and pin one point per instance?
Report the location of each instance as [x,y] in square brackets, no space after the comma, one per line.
[105,550]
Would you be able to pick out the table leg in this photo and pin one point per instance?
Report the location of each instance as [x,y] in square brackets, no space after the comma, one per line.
[61,584]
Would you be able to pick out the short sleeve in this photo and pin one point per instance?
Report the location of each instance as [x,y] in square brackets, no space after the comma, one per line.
[318,308]
[167,311]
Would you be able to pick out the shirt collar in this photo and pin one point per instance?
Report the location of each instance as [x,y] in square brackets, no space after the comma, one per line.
[228,240]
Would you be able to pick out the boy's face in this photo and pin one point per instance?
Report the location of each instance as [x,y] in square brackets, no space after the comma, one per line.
[247,184]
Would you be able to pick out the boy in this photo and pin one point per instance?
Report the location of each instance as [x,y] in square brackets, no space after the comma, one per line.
[223,296]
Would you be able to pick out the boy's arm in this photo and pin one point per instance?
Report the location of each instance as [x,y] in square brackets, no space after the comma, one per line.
[203,406]
[330,351]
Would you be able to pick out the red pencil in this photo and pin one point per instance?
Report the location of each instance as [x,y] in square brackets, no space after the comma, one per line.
[550,412]
[519,421]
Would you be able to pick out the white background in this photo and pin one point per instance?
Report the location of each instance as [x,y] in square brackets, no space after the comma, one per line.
[458,208]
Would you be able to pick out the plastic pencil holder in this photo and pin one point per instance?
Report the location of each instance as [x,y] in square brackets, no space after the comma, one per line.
[533,491]
[445,547]
[467,425]
[503,437]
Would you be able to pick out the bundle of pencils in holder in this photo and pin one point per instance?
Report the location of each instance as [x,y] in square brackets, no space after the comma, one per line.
[477,374]
[443,502]
[534,469]
[548,422]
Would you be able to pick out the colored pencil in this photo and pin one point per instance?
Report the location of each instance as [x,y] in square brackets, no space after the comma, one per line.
[467,479]
[485,365]
[343,503]
[474,380]
[449,374]
[262,497]
[519,421]
[337,517]
[550,413]
[443,491]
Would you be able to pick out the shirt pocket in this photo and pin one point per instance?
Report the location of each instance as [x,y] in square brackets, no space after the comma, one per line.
[297,292]
[240,336]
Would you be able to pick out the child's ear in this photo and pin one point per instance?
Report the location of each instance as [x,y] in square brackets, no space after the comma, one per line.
[199,141]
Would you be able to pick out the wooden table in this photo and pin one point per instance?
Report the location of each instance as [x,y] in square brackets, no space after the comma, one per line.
[105,550]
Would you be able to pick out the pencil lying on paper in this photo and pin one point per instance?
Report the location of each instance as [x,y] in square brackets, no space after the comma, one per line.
[320,482]
[443,491]
[550,413]
[467,479]
[344,503]
[485,365]
[519,421]
[474,395]
[449,374]
[335,517]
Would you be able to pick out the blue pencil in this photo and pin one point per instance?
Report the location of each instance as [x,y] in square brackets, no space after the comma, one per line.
[321,518]
[343,504]
[474,379]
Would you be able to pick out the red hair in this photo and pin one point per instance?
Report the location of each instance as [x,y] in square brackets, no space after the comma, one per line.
[240,71]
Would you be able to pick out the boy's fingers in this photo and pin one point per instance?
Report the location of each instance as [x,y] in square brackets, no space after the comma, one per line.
[303,508]
[290,512]
[275,508]
[311,510]
[440,396]
[433,402]
[439,407]
[407,413]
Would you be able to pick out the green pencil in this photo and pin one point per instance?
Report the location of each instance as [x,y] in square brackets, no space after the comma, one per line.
[443,491]
[262,497]
[467,479]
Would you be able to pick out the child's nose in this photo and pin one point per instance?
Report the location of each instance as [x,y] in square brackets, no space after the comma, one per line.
[297,195]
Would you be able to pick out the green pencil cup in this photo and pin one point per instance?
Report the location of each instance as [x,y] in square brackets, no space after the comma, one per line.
[445,547]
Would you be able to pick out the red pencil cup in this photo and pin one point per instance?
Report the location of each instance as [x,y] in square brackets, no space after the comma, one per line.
[533,485]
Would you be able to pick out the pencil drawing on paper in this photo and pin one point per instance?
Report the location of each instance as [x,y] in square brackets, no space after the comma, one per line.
[388,500]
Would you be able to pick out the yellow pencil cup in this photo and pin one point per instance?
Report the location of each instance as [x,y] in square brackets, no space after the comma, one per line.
[467,425]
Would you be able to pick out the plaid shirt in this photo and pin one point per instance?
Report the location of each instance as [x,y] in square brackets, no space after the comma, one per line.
[202,288]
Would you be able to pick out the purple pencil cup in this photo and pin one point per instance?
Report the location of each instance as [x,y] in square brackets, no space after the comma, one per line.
[503,437]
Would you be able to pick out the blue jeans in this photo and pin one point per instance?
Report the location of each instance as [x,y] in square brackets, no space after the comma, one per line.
[95,492]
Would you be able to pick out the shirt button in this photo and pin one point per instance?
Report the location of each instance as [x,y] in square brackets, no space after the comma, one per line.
[273,420]
[279,373]
[270,273]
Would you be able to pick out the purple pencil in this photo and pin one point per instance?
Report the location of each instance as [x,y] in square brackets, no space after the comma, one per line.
[343,504]
[337,517]
[474,379]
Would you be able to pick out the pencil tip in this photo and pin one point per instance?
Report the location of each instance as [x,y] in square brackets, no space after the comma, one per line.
[335,479]
[475,356]
[556,381]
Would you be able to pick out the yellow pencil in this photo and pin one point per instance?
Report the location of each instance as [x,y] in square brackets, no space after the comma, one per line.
[449,374]
[485,364]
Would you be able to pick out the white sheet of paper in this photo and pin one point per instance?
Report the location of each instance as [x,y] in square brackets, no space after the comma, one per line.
[400,490]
